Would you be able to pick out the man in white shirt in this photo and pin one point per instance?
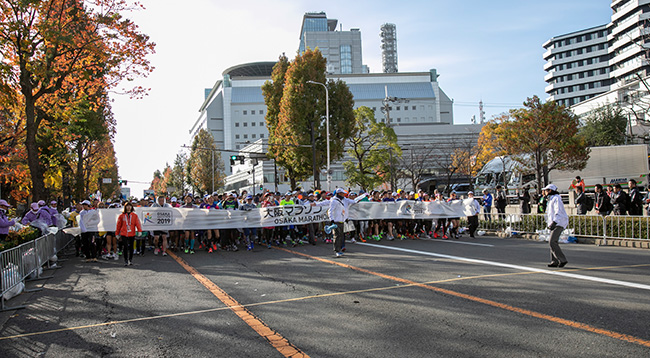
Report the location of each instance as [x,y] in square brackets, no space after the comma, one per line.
[338,213]
[557,219]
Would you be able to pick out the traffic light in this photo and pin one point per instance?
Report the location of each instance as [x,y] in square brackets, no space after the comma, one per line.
[235,158]
[122,182]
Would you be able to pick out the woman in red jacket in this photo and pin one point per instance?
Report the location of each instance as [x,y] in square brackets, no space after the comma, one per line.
[127,226]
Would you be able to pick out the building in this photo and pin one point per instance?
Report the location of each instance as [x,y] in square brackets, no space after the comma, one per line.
[590,62]
[233,110]
[577,65]
[342,49]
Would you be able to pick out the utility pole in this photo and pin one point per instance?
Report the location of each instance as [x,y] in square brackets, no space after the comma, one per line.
[386,109]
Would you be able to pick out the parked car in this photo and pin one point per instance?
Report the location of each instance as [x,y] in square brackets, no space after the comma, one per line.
[461,189]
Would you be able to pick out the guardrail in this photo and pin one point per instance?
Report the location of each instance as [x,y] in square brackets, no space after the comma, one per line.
[595,226]
[26,261]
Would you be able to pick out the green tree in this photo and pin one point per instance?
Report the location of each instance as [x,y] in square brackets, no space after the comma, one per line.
[297,132]
[605,126]
[204,167]
[178,175]
[370,147]
[543,137]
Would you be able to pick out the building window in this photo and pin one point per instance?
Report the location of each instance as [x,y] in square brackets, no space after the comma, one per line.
[413,108]
[406,108]
[245,124]
[244,112]
[346,59]
[399,120]
[253,124]
[261,124]
[262,135]
[254,136]
[245,136]
[261,111]
[237,124]
[236,136]
[237,146]
[253,111]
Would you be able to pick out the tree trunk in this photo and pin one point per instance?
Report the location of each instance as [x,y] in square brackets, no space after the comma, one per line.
[33,161]
[79,175]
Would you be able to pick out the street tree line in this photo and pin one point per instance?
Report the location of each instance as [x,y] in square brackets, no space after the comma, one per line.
[61,60]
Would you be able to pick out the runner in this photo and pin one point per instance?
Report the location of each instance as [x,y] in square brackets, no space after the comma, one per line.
[128,225]
[157,234]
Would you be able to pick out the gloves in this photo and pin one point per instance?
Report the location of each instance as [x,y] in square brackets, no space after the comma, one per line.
[553,226]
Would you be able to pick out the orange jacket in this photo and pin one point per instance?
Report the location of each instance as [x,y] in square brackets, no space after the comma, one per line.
[128,224]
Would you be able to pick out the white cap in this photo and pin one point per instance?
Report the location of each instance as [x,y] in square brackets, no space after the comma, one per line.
[550,187]
[340,190]
[85,202]
[174,199]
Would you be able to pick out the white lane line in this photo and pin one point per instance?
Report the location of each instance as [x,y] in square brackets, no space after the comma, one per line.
[516,267]
[459,242]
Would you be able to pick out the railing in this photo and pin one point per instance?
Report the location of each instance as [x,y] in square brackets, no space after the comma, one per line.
[26,261]
[595,226]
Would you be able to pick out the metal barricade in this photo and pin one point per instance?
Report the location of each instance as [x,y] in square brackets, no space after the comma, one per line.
[591,226]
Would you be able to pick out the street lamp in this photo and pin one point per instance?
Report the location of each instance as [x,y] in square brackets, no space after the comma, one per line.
[327,128]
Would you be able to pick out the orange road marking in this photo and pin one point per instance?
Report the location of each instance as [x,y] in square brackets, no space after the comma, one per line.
[274,338]
[566,322]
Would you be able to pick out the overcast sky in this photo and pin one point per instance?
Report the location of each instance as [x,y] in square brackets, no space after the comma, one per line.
[482,50]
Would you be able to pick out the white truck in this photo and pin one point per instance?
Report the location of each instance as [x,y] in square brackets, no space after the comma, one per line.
[606,165]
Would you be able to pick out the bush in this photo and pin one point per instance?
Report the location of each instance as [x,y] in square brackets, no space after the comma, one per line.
[21,236]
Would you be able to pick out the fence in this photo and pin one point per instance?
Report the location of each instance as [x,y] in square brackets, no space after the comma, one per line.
[594,226]
[26,261]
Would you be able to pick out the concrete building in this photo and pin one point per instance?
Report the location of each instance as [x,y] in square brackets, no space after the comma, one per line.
[577,65]
[587,63]
[342,49]
[388,36]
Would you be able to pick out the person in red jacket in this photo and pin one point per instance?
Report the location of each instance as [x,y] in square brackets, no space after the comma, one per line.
[128,225]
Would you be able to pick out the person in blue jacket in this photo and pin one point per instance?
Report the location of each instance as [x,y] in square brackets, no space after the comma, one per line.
[487,204]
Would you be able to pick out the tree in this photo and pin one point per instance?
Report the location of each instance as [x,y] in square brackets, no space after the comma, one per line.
[490,145]
[605,126]
[543,137]
[204,167]
[53,45]
[160,181]
[297,132]
[178,176]
[413,167]
[369,149]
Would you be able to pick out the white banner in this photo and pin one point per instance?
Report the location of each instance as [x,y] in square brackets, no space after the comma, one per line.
[162,219]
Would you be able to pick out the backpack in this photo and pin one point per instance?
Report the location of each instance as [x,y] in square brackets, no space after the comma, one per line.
[589,203]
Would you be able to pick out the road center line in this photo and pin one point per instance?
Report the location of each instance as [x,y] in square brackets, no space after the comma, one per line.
[459,242]
[566,322]
[274,338]
[516,267]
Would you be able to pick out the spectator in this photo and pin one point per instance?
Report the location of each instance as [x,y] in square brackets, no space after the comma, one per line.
[542,201]
[501,200]
[603,203]
[636,200]
[581,201]
[37,213]
[620,200]
[5,223]
[578,183]
[487,204]
[89,248]
[524,200]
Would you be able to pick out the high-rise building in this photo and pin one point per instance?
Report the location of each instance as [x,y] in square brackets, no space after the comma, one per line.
[577,65]
[388,36]
[590,62]
[342,49]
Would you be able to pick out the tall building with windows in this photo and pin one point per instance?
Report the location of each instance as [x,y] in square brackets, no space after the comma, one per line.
[577,65]
[590,62]
[342,49]
[388,36]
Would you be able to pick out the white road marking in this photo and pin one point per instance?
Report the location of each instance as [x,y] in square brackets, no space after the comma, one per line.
[516,267]
[459,242]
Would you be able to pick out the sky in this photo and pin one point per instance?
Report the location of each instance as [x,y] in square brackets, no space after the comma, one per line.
[488,51]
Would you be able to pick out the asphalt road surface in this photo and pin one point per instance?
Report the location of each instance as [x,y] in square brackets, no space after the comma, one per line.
[487,297]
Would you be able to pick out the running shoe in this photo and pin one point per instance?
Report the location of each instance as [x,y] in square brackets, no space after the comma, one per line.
[339,254]
[187,251]
[164,254]
[191,252]
[210,250]
[155,252]
[214,246]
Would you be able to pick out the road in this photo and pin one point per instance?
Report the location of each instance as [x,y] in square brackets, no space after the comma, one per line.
[487,297]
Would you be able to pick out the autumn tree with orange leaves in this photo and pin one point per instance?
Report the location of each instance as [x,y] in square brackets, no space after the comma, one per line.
[65,49]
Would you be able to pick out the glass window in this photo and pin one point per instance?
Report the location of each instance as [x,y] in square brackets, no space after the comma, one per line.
[413,108]
[237,124]
[244,112]
[245,124]
[262,135]
[252,111]
[245,136]
[397,108]
[237,146]
[236,136]
[253,124]
[254,136]
[346,59]
[406,108]
[261,111]
[261,124]
[399,120]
